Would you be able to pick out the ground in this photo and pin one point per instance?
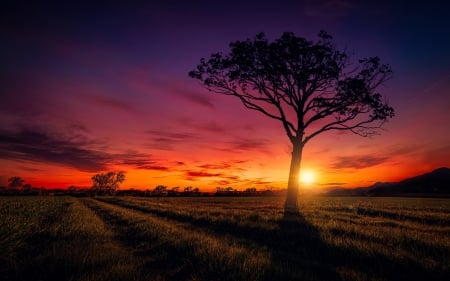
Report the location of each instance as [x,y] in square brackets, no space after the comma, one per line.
[131,238]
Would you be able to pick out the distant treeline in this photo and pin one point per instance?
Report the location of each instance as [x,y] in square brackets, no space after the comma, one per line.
[108,184]
[159,191]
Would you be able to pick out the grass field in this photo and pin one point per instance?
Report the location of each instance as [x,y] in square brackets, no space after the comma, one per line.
[130,238]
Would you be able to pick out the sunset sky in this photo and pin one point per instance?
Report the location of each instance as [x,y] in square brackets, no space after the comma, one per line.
[93,88]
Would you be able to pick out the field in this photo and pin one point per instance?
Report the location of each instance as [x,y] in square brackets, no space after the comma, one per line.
[130,238]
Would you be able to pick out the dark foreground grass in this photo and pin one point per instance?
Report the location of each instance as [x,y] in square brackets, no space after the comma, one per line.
[125,238]
[58,238]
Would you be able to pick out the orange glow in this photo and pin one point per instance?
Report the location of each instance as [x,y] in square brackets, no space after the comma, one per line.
[307,177]
[260,170]
[122,102]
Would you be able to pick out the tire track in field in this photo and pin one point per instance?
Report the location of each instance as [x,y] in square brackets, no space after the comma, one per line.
[178,252]
[282,243]
[297,244]
[247,234]
[125,239]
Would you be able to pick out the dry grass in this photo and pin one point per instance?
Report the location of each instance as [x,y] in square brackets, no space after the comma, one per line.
[177,251]
[58,238]
[125,238]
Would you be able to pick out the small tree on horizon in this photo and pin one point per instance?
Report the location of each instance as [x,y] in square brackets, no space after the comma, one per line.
[160,190]
[107,183]
[309,87]
[15,182]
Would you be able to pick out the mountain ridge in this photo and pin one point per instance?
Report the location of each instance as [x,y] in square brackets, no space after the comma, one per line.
[432,184]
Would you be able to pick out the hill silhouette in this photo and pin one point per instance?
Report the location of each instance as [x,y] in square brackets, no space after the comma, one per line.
[433,184]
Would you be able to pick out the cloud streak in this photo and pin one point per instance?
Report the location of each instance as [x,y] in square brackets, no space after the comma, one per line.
[112,103]
[139,161]
[358,162]
[41,146]
[226,165]
[168,140]
[202,174]
[195,98]
[74,151]
[221,178]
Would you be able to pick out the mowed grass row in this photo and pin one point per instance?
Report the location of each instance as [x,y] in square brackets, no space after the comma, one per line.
[176,251]
[128,238]
[59,238]
[357,238]
[248,216]
[409,236]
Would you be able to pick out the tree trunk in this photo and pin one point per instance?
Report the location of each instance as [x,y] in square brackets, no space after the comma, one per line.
[291,204]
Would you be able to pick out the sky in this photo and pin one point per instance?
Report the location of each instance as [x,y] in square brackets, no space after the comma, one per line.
[89,88]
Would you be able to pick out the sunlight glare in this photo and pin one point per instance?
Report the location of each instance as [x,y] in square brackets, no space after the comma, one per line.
[307,177]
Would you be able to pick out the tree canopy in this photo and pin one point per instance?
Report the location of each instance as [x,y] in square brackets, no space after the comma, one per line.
[311,87]
[107,183]
[15,182]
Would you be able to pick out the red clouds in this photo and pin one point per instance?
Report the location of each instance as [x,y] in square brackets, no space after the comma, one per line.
[80,97]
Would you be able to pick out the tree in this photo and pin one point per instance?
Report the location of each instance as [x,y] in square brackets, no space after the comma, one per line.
[160,190]
[107,183]
[15,182]
[309,87]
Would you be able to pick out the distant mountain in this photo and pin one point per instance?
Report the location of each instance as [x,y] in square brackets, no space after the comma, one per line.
[435,183]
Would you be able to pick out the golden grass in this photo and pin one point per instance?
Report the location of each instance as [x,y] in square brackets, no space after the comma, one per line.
[58,238]
[128,238]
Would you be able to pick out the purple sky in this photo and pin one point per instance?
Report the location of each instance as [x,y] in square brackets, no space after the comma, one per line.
[92,87]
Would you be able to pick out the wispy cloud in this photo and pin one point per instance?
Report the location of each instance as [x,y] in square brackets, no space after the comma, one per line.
[220,178]
[358,161]
[164,140]
[154,167]
[139,161]
[226,165]
[202,126]
[198,98]
[202,174]
[223,182]
[73,150]
[246,144]
[43,146]
[218,166]
[402,149]
[260,181]
[111,103]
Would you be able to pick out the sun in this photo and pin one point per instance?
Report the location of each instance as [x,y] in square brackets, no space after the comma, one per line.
[307,177]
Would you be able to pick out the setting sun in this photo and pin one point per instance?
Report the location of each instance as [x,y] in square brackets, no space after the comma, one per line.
[307,177]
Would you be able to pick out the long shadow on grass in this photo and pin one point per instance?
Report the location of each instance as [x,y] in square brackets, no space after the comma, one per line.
[299,253]
[295,246]
[162,260]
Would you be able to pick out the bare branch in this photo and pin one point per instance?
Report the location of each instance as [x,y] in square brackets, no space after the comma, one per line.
[311,80]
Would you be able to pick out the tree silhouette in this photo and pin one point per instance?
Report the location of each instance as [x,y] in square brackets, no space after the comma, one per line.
[310,87]
[160,190]
[15,182]
[107,183]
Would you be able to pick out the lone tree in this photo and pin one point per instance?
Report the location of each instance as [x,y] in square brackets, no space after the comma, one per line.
[310,87]
[107,183]
[15,182]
